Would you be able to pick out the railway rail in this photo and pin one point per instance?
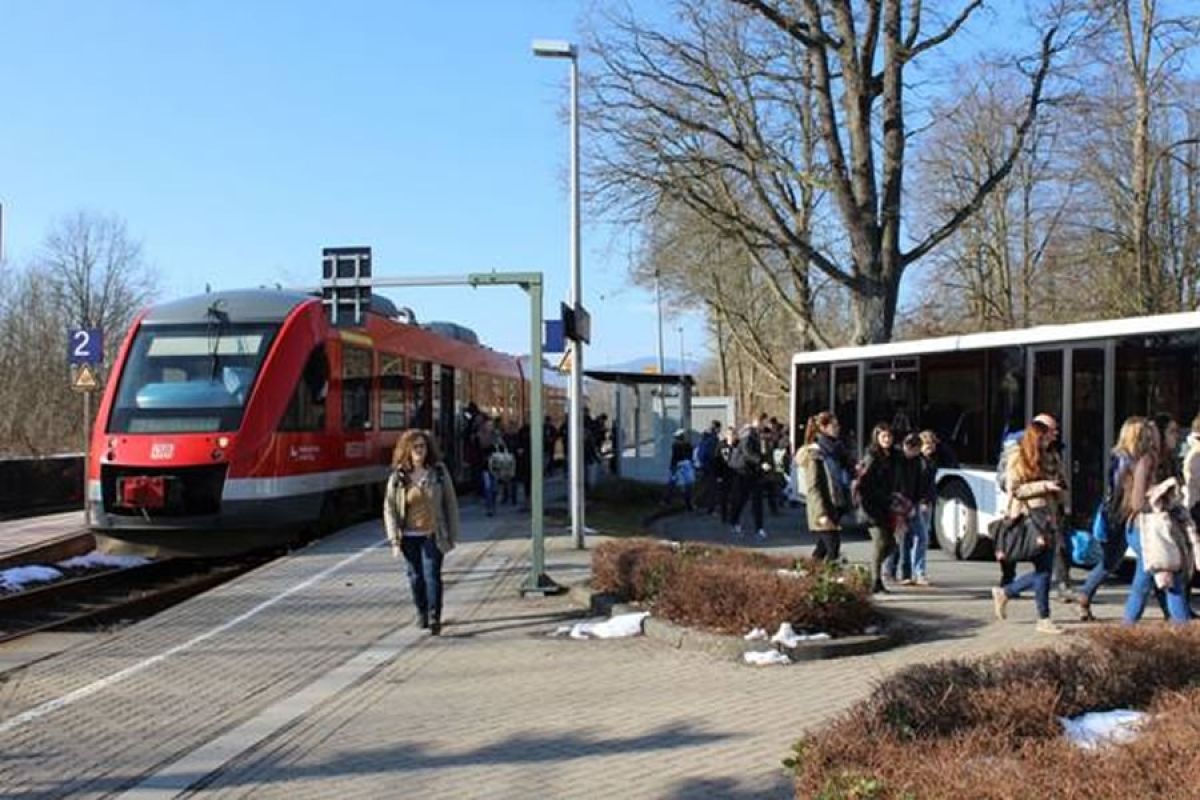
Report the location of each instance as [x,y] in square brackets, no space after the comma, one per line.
[103,597]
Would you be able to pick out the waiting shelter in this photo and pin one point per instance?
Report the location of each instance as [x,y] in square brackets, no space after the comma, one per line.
[648,407]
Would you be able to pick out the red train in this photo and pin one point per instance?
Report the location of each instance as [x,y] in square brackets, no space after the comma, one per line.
[234,420]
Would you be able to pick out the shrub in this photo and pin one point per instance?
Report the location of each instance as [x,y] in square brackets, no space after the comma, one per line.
[989,728]
[729,590]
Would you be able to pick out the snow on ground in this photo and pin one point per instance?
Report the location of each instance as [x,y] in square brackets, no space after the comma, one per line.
[1098,728]
[16,579]
[787,636]
[615,627]
[765,658]
[95,560]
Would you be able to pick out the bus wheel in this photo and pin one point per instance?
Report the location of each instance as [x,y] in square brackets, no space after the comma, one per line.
[956,521]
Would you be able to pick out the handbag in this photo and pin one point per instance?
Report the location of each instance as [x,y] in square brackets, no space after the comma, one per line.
[1085,548]
[1160,552]
[1100,523]
[1018,539]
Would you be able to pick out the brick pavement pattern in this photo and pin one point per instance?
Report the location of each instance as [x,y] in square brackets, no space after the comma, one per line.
[493,708]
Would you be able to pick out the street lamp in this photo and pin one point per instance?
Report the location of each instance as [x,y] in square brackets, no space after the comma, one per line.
[557,48]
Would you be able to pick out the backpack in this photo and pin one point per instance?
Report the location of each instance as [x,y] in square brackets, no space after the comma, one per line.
[737,458]
[705,450]
[501,464]
[1008,447]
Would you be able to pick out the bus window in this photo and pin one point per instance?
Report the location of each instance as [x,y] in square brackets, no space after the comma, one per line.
[1158,374]
[845,404]
[812,391]
[891,395]
[1005,398]
[1047,383]
[952,402]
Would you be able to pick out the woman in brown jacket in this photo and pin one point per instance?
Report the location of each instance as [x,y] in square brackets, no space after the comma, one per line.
[826,488]
[420,512]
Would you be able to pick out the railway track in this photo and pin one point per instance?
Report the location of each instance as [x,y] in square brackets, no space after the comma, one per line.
[120,594]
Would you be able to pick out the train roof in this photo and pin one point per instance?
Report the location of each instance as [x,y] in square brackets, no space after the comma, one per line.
[242,305]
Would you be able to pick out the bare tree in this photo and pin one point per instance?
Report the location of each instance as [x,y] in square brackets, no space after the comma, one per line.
[90,273]
[97,272]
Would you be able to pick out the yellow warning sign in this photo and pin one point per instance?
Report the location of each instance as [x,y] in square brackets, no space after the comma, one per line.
[84,379]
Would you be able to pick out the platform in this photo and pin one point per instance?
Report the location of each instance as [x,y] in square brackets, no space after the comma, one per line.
[19,534]
[307,678]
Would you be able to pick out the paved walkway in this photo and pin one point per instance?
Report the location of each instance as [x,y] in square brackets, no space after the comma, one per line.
[493,708]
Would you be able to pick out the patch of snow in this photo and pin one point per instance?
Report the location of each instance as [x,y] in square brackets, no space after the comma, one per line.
[787,636]
[755,635]
[765,658]
[1098,728]
[18,578]
[95,560]
[791,573]
[617,627]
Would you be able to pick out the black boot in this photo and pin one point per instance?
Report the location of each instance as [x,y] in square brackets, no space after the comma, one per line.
[423,618]
[435,624]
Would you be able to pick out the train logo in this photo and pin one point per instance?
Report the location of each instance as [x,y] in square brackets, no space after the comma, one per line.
[162,451]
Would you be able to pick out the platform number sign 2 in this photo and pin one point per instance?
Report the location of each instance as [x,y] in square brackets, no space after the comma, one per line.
[86,346]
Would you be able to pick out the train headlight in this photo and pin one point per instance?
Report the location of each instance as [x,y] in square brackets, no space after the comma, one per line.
[112,444]
[222,442]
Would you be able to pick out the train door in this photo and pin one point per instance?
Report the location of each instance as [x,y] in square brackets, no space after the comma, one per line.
[1074,383]
[444,409]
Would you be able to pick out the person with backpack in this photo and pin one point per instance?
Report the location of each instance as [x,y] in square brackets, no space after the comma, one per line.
[826,484]
[704,458]
[746,463]
[914,481]
[420,514]
[1035,493]
[724,473]
[682,471]
[876,484]
[1113,516]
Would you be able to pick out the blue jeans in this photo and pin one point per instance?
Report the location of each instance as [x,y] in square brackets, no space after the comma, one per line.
[488,485]
[910,555]
[1114,553]
[1039,579]
[1143,584]
[424,561]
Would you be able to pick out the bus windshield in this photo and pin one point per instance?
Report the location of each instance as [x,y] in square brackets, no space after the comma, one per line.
[189,379]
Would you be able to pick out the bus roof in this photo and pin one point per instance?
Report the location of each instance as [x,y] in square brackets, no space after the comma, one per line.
[1041,334]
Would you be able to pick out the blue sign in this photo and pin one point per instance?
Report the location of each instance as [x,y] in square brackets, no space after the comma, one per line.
[86,346]
[555,341]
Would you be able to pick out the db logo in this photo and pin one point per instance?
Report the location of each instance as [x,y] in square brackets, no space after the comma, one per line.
[161,451]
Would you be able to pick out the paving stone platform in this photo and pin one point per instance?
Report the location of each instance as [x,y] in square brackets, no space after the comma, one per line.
[306,678]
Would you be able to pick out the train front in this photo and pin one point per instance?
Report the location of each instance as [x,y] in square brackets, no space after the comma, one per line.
[177,418]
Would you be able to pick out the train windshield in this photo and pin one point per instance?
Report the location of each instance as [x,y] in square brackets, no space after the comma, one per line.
[189,379]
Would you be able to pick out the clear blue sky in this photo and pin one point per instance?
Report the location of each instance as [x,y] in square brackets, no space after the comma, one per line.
[238,139]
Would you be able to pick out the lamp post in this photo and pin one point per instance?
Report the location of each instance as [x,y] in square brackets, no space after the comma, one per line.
[557,48]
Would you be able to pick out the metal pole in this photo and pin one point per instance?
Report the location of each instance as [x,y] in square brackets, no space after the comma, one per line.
[538,582]
[576,393]
[87,442]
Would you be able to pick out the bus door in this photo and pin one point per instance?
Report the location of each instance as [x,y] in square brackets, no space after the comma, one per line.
[847,406]
[1075,384]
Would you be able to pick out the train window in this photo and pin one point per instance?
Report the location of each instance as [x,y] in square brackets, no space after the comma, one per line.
[356,388]
[189,378]
[306,409]
[392,384]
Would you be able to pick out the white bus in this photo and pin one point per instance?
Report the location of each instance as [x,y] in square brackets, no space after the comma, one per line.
[975,389]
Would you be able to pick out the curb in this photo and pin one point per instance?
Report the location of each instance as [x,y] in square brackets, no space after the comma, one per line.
[681,637]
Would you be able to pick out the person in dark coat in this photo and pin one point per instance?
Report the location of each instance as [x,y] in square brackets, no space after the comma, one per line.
[877,477]
[747,464]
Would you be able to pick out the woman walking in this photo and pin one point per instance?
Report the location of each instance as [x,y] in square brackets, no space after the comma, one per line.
[826,488]
[1136,499]
[876,487]
[420,512]
[1134,440]
[1035,496]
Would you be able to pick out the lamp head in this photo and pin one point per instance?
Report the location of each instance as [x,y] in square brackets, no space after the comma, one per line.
[553,48]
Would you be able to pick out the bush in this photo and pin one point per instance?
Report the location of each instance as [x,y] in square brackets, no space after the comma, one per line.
[990,729]
[729,590]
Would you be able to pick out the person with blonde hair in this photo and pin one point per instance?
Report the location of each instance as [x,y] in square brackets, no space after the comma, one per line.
[1133,441]
[420,513]
[1035,494]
